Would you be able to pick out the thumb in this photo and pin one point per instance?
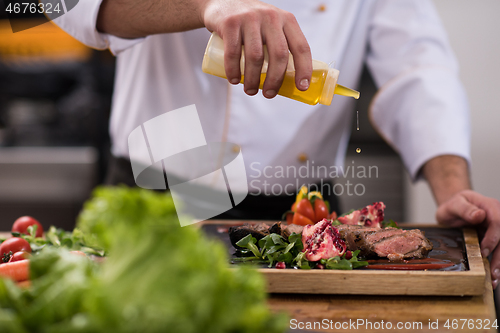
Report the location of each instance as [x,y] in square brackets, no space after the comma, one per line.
[458,207]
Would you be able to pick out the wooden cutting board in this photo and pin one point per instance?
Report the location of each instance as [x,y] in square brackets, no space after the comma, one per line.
[469,281]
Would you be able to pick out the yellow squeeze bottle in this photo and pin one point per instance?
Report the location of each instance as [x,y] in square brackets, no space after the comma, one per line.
[322,87]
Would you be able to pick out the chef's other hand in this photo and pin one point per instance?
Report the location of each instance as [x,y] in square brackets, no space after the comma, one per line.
[253,23]
[467,208]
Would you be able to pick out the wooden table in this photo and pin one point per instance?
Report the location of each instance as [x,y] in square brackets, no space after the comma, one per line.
[408,310]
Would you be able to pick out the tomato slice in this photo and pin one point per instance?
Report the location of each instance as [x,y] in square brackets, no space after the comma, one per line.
[301,219]
[320,210]
[305,208]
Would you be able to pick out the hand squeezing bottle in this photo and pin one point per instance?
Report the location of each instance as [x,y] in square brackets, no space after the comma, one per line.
[322,87]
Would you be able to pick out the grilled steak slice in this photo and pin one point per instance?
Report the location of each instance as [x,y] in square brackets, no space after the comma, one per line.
[382,234]
[259,231]
[393,243]
[290,229]
[355,238]
[409,244]
[276,228]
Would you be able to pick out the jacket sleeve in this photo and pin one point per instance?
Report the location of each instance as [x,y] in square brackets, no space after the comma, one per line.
[80,22]
[421,108]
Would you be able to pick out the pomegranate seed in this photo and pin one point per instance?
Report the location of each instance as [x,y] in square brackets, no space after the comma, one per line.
[348,255]
[280,265]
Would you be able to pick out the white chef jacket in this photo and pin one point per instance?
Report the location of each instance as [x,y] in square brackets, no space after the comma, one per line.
[421,107]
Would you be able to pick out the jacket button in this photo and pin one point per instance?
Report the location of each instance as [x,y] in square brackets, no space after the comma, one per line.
[302,158]
[322,8]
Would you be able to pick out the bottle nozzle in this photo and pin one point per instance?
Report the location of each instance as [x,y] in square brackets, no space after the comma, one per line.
[344,91]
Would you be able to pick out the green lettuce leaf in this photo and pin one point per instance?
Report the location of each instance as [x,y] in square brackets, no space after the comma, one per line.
[157,277]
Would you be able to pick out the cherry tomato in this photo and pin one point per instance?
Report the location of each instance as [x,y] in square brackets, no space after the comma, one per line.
[21,225]
[301,219]
[305,208]
[320,210]
[14,244]
[20,255]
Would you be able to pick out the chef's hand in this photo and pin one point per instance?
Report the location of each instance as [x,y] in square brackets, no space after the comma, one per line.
[239,22]
[469,208]
[253,24]
[459,206]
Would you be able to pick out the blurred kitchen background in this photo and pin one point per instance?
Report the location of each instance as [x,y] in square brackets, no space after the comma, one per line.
[55,97]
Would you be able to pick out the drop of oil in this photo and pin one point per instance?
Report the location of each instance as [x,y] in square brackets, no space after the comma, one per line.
[358,150]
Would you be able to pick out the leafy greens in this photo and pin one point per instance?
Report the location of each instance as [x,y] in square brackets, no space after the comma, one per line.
[157,277]
[275,248]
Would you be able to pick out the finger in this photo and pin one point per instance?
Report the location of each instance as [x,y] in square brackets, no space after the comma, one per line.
[301,52]
[254,58]
[459,208]
[492,235]
[232,53]
[495,267]
[277,48]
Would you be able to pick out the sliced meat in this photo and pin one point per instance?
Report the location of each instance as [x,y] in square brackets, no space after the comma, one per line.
[290,229]
[409,244]
[276,228]
[355,238]
[393,243]
[382,234]
[259,231]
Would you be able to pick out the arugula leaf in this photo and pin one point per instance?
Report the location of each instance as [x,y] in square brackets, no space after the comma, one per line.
[337,263]
[289,247]
[301,260]
[277,239]
[32,230]
[355,261]
[248,242]
[336,222]
[389,224]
